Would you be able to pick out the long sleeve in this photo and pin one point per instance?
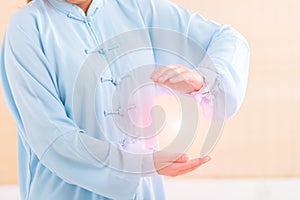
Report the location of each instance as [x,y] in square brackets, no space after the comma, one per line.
[45,45]
[31,93]
[226,60]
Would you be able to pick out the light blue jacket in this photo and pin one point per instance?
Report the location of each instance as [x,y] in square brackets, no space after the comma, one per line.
[45,48]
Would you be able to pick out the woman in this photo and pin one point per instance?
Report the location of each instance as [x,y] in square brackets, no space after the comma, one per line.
[45,46]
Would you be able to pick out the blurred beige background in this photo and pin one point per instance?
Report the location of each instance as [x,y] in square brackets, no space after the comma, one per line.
[263,139]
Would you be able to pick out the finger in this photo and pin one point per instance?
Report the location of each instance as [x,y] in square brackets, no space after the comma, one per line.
[194,80]
[176,157]
[170,160]
[166,159]
[170,74]
[176,169]
[186,171]
[183,158]
[183,77]
[192,168]
[159,71]
[196,162]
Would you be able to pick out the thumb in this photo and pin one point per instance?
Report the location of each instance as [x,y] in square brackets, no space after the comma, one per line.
[182,158]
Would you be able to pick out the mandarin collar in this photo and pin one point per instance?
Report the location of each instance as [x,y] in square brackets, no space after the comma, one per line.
[73,11]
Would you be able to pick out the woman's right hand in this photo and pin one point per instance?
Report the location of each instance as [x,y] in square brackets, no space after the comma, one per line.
[171,164]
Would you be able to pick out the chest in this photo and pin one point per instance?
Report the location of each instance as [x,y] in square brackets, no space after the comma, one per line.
[70,43]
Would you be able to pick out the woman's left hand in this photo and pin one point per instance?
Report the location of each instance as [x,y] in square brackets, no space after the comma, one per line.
[179,78]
